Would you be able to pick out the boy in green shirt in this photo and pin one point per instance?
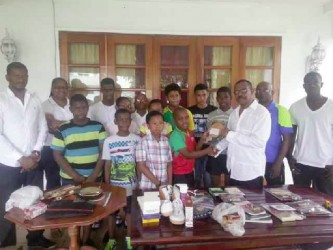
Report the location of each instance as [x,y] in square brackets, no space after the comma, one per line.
[173,95]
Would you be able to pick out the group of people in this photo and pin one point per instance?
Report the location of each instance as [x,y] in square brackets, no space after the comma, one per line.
[71,142]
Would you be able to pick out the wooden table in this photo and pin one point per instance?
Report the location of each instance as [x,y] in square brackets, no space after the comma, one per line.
[208,234]
[117,201]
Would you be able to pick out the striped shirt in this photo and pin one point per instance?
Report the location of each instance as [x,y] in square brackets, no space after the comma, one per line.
[218,116]
[156,155]
[80,145]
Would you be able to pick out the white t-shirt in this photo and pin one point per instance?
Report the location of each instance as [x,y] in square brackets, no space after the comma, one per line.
[102,113]
[120,150]
[140,120]
[59,113]
[247,140]
[314,142]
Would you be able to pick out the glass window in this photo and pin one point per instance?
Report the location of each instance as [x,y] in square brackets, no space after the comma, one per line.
[83,77]
[217,56]
[257,75]
[130,78]
[174,56]
[130,55]
[83,53]
[216,78]
[259,56]
[178,76]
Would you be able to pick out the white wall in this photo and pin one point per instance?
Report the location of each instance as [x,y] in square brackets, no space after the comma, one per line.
[298,22]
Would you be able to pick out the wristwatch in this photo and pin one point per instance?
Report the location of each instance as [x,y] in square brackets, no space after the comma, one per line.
[37,153]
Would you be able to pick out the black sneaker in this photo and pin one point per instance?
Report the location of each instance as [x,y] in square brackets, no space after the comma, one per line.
[42,242]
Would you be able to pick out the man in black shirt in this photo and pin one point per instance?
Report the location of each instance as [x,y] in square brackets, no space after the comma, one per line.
[200,113]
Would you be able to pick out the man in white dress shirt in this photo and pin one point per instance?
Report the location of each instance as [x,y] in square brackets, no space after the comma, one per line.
[248,130]
[104,110]
[23,131]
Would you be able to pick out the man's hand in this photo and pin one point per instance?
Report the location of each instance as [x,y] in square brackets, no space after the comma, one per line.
[329,171]
[27,163]
[35,155]
[90,178]
[292,164]
[79,179]
[276,170]
[211,151]
[204,136]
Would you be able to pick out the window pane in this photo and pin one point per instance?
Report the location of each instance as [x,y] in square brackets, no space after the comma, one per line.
[259,56]
[217,56]
[84,77]
[130,55]
[84,53]
[174,56]
[216,78]
[130,78]
[178,76]
[257,75]
[212,99]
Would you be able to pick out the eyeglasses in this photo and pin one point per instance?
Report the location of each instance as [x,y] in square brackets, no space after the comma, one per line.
[241,91]
[262,90]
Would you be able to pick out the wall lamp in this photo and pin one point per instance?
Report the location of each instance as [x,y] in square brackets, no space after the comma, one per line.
[8,47]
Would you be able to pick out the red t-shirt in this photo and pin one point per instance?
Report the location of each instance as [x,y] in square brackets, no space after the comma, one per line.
[180,140]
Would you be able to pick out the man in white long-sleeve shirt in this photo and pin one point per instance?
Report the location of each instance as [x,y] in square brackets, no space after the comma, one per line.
[23,131]
[248,130]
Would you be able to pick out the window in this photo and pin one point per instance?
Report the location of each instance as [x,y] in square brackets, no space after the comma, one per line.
[147,63]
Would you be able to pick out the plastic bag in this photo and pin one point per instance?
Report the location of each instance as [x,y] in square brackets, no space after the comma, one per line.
[24,197]
[230,217]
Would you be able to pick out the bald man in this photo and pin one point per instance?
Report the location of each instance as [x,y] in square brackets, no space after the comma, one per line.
[281,130]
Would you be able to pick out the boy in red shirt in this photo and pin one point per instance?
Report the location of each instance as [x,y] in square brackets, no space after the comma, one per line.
[185,149]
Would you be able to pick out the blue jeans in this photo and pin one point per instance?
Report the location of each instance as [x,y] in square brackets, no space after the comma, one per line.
[201,173]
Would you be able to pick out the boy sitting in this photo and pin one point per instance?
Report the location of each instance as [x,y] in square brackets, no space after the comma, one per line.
[153,154]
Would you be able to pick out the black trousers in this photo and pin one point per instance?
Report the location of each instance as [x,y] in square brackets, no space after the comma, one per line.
[183,178]
[277,180]
[316,176]
[10,180]
[255,183]
[52,171]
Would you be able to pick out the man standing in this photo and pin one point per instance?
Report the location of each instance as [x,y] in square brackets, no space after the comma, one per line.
[312,119]
[247,133]
[104,110]
[281,131]
[23,131]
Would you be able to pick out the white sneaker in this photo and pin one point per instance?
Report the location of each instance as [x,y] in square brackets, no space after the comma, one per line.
[165,192]
[178,216]
[176,192]
[166,208]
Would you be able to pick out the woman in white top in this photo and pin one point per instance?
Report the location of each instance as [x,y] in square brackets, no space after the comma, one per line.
[57,111]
